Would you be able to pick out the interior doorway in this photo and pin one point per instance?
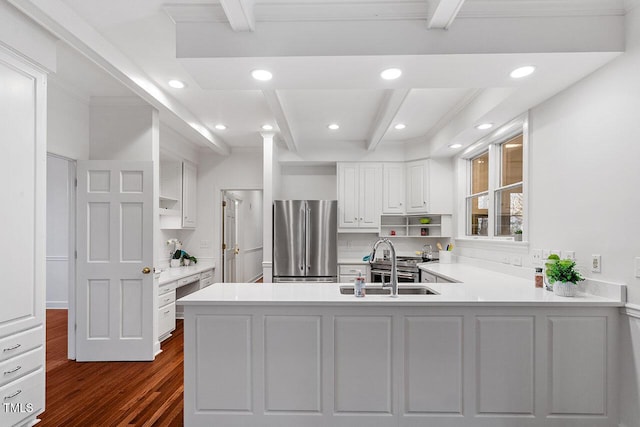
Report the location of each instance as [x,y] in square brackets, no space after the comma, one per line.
[61,241]
[242,244]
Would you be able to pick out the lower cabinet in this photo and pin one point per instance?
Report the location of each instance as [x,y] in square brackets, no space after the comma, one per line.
[166,310]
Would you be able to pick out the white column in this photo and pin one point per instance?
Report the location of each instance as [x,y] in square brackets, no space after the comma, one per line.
[269,161]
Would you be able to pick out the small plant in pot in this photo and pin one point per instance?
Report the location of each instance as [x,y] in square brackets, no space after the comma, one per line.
[563,276]
[176,258]
[189,259]
[517,235]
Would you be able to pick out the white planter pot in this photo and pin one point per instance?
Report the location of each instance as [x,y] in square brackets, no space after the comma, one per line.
[186,261]
[565,289]
[174,262]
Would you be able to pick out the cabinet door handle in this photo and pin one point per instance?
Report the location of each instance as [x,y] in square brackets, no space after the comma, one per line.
[167,312]
[13,395]
[12,348]
[16,369]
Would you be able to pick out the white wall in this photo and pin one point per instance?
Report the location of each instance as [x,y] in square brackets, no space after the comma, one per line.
[60,176]
[308,182]
[241,170]
[67,122]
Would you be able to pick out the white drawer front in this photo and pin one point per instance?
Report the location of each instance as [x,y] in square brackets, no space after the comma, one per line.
[166,319]
[206,282]
[22,398]
[188,280]
[206,274]
[19,343]
[352,269]
[16,367]
[167,298]
[168,287]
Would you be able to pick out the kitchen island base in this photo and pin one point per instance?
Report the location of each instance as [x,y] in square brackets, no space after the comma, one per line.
[389,365]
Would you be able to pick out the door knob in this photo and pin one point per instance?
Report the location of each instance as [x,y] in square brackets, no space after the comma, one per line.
[146,270]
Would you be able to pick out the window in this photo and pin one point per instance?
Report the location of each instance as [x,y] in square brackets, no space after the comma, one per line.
[495,187]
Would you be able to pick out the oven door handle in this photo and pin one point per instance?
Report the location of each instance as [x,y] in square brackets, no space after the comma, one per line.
[388,273]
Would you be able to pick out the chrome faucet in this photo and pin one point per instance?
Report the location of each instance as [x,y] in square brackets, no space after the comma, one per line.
[394,268]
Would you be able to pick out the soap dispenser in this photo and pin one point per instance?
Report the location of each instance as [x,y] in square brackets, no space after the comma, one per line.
[359,286]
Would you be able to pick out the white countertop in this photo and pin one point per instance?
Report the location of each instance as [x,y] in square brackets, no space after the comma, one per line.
[480,287]
[176,273]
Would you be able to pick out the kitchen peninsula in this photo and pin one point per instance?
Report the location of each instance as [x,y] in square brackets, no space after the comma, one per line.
[490,351]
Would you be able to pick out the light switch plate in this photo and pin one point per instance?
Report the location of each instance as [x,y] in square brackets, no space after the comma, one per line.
[569,255]
[596,261]
[555,251]
[204,244]
[546,253]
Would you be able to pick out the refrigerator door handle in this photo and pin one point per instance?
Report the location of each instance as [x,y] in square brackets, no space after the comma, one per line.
[307,232]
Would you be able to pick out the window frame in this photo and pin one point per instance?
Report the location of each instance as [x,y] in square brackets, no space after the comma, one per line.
[493,145]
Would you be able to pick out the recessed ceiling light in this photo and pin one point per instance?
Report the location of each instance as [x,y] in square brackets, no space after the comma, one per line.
[484,126]
[177,84]
[391,73]
[267,127]
[262,75]
[455,146]
[220,126]
[400,126]
[522,71]
[334,126]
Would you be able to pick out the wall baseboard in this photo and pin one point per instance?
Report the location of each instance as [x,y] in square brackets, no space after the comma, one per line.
[57,305]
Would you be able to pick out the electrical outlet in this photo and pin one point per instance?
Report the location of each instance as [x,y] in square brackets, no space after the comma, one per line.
[637,269]
[546,253]
[569,255]
[506,260]
[536,257]
[596,263]
[516,260]
[555,251]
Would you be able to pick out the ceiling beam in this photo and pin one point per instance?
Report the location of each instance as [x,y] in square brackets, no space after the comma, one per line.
[273,100]
[444,14]
[240,14]
[389,107]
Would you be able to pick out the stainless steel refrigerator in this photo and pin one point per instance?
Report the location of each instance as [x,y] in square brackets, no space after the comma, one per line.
[305,241]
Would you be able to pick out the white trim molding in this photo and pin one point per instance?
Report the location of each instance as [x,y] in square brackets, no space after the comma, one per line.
[631,310]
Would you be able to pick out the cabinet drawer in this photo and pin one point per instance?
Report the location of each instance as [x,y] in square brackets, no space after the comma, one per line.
[22,398]
[166,319]
[206,282]
[19,366]
[206,274]
[187,280]
[352,269]
[21,342]
[427,277]
[167,298]
[169,287]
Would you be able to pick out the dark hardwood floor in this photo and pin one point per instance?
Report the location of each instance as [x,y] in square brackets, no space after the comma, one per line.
[112,393]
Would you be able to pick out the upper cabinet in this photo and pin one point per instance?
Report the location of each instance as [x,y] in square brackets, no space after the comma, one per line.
[393,185]
[359,196]
[178,197]
[417,186]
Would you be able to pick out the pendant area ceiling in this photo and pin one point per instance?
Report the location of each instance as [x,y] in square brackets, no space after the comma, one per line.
[326,59]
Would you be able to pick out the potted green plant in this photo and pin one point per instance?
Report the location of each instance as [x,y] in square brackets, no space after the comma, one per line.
[563,276]
[176,258]
[517,235]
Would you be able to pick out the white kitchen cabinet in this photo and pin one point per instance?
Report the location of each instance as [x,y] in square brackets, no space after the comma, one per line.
[359,195]
[22,303]
[393,190]
[417,188]
[178,195]
[189,195]
[166,310]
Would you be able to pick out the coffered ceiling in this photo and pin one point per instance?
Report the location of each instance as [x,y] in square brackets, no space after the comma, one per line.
[326,58]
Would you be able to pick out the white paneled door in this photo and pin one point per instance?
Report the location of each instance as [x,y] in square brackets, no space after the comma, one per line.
[114,295]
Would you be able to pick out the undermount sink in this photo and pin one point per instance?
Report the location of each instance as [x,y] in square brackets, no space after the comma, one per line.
[402,290]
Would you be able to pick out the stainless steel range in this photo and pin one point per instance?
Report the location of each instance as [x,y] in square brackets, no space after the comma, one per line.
[408,271]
